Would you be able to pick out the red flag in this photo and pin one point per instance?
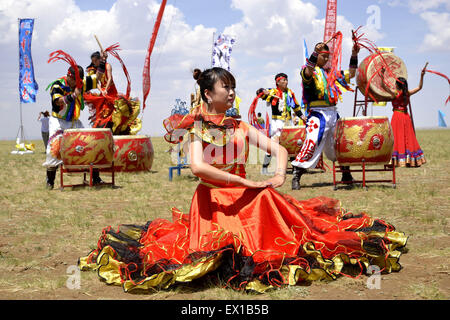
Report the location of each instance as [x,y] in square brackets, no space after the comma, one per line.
[330,28]
[146,72]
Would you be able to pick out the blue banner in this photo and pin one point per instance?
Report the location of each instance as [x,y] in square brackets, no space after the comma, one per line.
[441,120]
[28,86]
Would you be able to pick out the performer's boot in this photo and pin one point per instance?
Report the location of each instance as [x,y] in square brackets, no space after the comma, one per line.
[297,174]
[96,177]
[51,174]
[266,163]
[346,176]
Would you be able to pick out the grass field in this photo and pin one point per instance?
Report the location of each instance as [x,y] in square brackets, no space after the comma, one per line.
[43,233]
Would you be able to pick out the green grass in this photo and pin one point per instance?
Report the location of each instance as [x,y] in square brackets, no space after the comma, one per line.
[42,232]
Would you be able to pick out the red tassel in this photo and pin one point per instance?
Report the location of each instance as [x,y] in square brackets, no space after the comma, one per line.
[252,118]
[113,51]
[442,75]
[335,67]
[61,55]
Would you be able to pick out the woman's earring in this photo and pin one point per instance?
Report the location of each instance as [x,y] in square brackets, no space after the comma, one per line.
[209,101]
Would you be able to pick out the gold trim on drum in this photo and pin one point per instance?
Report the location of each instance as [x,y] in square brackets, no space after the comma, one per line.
[87,130]
[364,118]
[131,136]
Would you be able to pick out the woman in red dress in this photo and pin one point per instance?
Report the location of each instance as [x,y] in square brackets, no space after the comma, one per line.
[407,151]
[242,231]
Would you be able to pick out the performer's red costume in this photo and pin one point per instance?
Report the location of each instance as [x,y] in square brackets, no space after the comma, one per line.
[407,151]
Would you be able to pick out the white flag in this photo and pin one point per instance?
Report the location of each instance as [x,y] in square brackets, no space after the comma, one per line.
[221,53]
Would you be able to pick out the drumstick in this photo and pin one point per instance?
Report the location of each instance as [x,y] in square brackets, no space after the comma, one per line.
[329,39]
[424,68]
[99,44]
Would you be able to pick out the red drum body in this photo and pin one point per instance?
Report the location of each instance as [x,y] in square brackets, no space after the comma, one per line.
[381,82]
[82,147]
[133,153]
[292,139]
[368,140]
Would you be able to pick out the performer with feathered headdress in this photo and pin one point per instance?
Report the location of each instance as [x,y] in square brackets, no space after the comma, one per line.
[67,103]
[111,109]
[322,89]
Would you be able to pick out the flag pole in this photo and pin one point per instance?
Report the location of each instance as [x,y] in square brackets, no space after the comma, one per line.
[212,49]
[20,134]
[20,137]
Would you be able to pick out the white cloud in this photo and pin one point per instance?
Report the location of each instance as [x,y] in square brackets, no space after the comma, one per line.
[418,6]
[438,37]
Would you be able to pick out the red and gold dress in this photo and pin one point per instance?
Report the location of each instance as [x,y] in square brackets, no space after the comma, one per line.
[407,151]
[253,239]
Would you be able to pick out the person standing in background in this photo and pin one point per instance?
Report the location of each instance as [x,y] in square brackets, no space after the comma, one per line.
[43,118]
[261,120]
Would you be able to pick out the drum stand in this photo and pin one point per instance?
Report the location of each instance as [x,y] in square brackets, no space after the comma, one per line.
[89,170]
[364,170]
[360,105]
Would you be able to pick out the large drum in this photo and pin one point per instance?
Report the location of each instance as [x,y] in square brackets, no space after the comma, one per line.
[382,83]
[133,153]
[82,147]
[364,139]
[292,138]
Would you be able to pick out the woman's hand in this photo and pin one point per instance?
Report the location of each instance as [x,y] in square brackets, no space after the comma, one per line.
[424,70]
[276,181]
[252,184]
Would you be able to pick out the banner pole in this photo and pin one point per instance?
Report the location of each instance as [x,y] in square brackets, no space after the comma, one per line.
[212,49]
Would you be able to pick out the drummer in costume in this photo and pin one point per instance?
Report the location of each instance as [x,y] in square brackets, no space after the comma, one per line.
[407,151]
[102,105]
[244,232]
[111,109]
[283,103]
[320,98]
[67,103]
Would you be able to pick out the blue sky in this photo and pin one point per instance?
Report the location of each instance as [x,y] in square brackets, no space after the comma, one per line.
[269,36]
